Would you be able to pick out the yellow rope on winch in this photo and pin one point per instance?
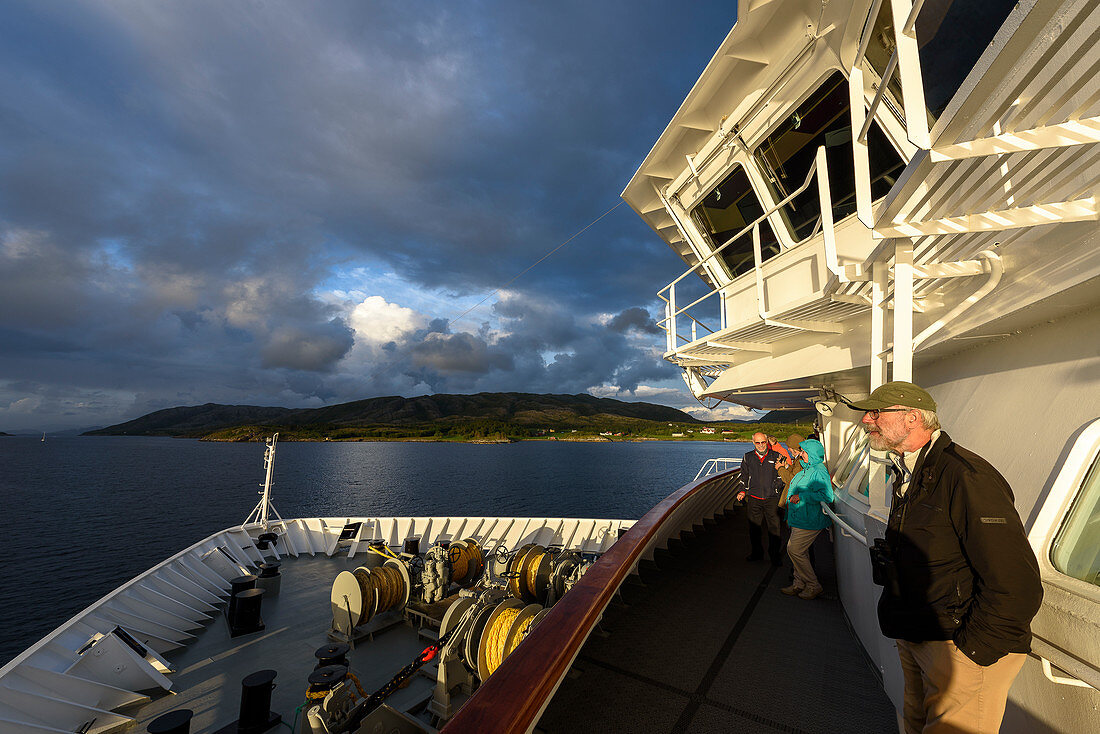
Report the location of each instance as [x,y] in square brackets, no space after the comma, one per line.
[460,566]
[532,562]
[466,560]
[521,633]
[498,635]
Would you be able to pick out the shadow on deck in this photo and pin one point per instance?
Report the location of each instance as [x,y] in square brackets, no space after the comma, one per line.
[704,642]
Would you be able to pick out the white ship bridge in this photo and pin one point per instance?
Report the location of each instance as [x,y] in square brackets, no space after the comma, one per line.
[859,184]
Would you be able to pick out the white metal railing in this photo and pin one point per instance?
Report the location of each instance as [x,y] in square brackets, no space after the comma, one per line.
[716,465]
[668,323]
[845,528]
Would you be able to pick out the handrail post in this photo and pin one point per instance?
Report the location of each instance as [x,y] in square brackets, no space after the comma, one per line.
[825,200]
[903,310]
[672,317]
[666,325]
[759,276]
[860,156]
[912,85]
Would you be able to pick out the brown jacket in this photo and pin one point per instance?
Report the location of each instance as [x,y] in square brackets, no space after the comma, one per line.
[786,473]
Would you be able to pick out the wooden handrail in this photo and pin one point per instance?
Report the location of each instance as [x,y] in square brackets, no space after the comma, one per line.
[514,697]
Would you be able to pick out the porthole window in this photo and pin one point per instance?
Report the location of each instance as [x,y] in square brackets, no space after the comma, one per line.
[1076,548]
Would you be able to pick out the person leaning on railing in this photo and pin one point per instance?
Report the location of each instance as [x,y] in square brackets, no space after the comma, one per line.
[807,490]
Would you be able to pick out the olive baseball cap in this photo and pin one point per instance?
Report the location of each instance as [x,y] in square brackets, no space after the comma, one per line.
[897,393]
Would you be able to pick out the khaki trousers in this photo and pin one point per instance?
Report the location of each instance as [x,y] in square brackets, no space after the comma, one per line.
[798,548]
[948,693]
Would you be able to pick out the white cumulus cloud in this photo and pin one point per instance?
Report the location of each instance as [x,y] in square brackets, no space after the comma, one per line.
[376,321]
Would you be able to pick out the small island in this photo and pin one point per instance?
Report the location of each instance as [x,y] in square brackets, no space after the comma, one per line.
[483,418]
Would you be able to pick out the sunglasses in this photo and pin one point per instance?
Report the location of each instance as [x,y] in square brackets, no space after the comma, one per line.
[759,443]
[876,413]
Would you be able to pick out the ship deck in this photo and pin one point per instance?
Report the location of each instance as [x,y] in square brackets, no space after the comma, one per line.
[703,641]
[297,620]
[700,641]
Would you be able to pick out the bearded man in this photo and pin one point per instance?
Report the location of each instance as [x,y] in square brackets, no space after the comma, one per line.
[961,583]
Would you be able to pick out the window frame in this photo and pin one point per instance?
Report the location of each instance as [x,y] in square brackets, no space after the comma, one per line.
[1065,492]
[849,458]
[785,234]
[704,238]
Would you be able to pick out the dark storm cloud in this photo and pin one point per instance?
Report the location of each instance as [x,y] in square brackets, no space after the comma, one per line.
[448,354]
[299,349]
[179,180]
[634,318]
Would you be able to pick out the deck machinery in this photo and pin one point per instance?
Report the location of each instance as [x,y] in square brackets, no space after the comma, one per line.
[478,606]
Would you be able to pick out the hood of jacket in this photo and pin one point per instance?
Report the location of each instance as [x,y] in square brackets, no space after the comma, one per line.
[815,452]
[813,471]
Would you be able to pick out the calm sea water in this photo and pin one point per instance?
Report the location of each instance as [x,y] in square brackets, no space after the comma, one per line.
[83,515]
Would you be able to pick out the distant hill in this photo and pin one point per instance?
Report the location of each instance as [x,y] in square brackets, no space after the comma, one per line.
[488,410]
[789,416]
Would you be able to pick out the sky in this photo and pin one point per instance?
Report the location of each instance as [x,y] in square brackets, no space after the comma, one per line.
[292,203]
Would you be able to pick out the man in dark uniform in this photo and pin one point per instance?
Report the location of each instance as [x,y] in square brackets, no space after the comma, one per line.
[961,583]
[762,488]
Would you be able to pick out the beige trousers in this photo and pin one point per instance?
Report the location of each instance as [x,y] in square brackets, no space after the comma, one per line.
[948,693]
[798,548]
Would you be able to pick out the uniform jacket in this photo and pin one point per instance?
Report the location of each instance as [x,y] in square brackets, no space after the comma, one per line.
[813,486]
[965,569]
[760,476]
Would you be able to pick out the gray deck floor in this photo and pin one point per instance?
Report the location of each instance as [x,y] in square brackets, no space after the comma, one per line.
[706,643]
[209,670]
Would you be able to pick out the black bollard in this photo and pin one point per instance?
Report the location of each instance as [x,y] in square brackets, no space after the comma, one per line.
[241,583]
[173,722]
[248,581]
[412,545]
[332,654]
[269,579]
[323,680]
[244,612]
[256,714]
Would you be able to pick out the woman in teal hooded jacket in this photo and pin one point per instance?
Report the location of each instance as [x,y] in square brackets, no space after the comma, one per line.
[808,489]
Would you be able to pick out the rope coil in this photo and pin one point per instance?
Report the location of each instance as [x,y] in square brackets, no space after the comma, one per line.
[521,633]
[533,561]
[366,586]
[494,649]
[523,574]
[390,587]
[467,562]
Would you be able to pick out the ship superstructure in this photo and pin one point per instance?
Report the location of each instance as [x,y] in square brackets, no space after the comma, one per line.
[907,190]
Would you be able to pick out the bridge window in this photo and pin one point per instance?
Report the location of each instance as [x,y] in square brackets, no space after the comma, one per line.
[725,212]
[788,153]
[1076,548]
[951,36]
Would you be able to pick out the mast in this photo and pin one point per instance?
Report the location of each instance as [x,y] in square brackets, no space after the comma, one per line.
[262,511]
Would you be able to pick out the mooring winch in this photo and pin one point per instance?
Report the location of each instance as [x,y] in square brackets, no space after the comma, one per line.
[484,610]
